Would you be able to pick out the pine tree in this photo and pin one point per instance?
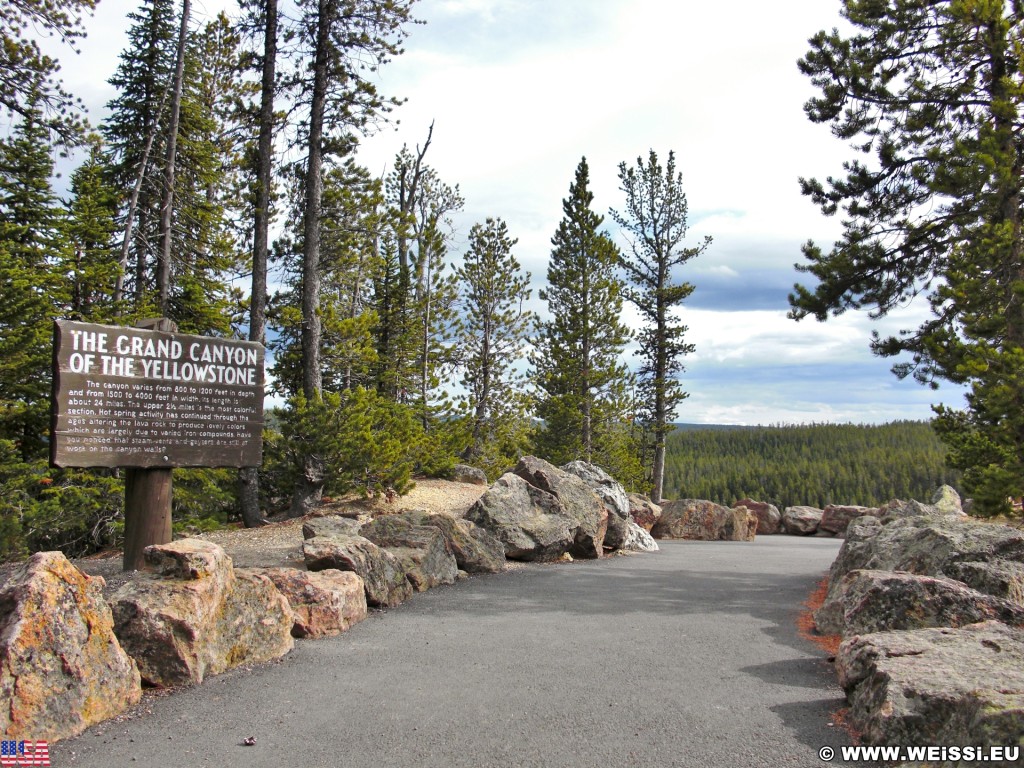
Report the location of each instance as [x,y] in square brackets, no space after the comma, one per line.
[492,332]
[341,44]
[89,259]
[581,381]
[655,222]
[933,93]
[30,237]
[135,137]
[417,293]
[29,88]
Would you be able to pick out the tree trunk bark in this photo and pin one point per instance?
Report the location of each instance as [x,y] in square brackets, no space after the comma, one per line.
[163,271]
[309,489]
[249,477]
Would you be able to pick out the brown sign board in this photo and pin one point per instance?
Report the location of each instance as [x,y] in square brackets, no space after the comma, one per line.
[129,397]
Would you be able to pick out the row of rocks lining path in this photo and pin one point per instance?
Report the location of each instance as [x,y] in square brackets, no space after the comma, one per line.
[685,657]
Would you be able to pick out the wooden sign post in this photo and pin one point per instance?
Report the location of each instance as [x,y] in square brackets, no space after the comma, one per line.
[149,399]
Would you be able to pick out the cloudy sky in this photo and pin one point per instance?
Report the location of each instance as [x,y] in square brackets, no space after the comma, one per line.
[520,90]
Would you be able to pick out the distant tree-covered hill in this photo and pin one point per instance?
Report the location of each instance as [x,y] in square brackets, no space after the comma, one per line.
[815,465]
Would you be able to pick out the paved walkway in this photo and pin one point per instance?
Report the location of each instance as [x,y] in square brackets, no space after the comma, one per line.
[688,657]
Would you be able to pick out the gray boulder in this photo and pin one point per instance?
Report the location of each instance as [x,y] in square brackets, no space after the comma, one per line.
[936,686]
[879,601]
[801,520]
[704,521]
[637,539]
[576,499]
[527,521]
[422,550]
[330,525]
[612,494]
[986,557]
[463,473]
[475,550]
[947,501]
[382,573]
[769,519]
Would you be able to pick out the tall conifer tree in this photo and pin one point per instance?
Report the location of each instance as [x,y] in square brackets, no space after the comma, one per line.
[581,381]
[30,238]
[492,332]
[655,223]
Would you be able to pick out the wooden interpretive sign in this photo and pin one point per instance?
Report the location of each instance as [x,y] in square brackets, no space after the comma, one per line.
[130,397]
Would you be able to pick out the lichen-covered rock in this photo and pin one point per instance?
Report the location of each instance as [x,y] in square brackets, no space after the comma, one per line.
[475,550]
[936,686]
[986,557]
[324,603]
[540,512]
[577,501]
[330,525]
[607,488]
[837,517]
[801,520]
[879,601]
[463,473]
[769,519]
[61,667]
[197,617]
[527,521]
[382,573]
[644,511]
[422,550]
[703,521]
[947,501]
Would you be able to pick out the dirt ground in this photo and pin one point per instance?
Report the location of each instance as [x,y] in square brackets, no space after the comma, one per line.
[280,543]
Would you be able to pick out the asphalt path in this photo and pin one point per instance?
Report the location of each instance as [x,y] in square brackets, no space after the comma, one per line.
[686,657]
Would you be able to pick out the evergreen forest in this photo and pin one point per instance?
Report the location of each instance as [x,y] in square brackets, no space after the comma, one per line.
[221,189]
[812,465]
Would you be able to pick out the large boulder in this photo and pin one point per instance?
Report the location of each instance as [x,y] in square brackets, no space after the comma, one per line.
[936,686]
[879,601]
[637,539]
[475,550]
[609,490]
[197,617]
[526,520]
[330,525]
[323,603]
[836,518]
[540,512]
[463,473]
[382,573]
[578,502]
[986,557]
[704,521]
[61,667]
[612,494]
[947,501]
[801,520]
[769,520]
[644,511]
[421,549]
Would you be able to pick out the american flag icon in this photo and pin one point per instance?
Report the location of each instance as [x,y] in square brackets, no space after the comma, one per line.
[21,754]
